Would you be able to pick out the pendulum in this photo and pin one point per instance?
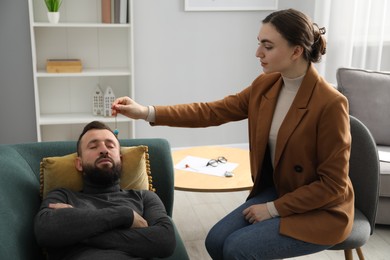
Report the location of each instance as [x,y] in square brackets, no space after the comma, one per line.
[116,131]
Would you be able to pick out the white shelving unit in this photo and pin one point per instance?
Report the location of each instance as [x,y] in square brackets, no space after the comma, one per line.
[63,101]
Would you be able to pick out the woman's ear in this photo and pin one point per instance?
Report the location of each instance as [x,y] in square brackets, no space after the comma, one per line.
[298,51]
[78,164]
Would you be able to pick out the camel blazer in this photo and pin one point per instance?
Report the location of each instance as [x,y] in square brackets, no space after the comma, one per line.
[315,195]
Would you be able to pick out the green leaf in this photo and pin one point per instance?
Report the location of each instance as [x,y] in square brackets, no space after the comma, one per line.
[53,5]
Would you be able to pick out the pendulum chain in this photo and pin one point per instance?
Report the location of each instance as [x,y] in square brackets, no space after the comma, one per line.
[116,131]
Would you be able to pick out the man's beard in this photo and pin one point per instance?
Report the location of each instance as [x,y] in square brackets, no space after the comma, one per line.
[102,176]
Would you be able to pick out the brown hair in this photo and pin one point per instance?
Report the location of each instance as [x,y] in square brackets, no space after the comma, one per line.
[91,126]
[298,29]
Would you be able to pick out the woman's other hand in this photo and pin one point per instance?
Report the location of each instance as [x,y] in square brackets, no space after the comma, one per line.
[256,213]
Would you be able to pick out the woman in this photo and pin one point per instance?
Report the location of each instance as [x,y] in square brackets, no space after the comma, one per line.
[302,199]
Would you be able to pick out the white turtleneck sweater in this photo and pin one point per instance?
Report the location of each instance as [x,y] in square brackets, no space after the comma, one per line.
[287,94]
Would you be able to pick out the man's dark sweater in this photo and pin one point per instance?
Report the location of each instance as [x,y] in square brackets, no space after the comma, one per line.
[99,224]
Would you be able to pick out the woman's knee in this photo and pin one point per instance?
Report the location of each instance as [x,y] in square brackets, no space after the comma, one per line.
[234,248]
[214,245]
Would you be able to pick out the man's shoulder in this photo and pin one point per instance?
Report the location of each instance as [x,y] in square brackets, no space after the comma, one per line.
[142,194]
[64,191]
[60,195]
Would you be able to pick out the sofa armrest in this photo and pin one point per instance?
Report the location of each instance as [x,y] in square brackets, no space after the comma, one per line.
[19,202]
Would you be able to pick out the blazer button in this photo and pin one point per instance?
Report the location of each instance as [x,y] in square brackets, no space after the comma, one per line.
[298,168]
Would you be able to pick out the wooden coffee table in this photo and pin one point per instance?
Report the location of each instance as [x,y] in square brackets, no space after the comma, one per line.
[193,181]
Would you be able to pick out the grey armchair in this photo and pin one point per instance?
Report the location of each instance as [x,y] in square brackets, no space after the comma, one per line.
[364,174]
[368,93]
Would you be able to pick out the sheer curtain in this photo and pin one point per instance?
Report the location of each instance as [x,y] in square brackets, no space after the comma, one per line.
[358,35]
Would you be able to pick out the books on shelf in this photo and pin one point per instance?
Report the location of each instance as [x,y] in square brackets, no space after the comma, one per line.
[106,11]
[114,11]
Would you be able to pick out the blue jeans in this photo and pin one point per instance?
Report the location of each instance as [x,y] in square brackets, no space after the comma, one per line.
[235,238]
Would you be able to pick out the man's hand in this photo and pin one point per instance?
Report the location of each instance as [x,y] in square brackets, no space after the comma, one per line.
[256,213]
[59,206]
[139,222]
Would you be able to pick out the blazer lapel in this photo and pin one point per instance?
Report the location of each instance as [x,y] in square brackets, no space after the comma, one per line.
[266,111]
[291,121]
[265,114]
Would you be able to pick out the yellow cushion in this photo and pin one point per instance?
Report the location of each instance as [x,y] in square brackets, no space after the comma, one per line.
[60,172]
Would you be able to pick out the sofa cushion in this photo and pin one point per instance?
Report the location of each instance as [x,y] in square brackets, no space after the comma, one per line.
[368,93]
[60,172]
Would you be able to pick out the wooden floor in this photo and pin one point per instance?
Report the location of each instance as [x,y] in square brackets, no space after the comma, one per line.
[195,213]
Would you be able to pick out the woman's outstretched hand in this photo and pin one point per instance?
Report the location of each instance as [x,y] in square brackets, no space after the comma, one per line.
[128,107]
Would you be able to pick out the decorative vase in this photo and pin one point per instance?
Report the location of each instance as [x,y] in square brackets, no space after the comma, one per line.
[53,17]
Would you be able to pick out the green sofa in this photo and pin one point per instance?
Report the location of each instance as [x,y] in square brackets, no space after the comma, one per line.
[19,191]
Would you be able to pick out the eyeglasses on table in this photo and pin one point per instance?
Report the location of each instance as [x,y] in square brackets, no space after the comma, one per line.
[215,162]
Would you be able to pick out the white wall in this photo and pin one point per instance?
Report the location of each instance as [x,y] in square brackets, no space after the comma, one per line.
[180,57]
[17,116]
[183,57]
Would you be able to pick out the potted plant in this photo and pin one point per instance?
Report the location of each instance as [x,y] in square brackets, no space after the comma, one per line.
[52,7]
